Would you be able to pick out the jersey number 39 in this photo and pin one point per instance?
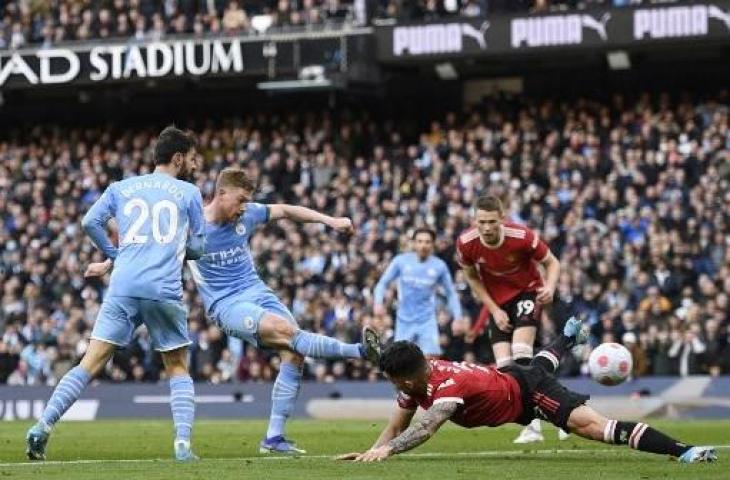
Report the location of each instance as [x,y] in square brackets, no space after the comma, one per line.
[139,207]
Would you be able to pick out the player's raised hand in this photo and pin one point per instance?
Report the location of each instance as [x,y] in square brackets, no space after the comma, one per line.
[98,269]
[343,225]
[501,319]
[545,295]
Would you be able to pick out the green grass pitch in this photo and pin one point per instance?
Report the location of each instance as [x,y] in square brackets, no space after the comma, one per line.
[133,449]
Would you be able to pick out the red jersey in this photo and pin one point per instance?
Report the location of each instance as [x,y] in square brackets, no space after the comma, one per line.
[487,396]
[508,269]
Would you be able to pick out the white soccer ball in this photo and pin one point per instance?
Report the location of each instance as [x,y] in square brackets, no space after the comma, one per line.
[610,364]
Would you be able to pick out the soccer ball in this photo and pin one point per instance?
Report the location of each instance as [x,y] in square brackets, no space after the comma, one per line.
[610,364]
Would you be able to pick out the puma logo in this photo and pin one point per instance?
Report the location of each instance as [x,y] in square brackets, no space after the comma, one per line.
[598,25]
[478,36]
[719,14]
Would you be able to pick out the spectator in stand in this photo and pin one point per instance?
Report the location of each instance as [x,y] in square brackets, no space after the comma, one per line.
[234,18]
[51,23]
[584,174]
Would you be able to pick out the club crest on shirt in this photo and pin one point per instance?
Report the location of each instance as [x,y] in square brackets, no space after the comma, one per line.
[241,229]
[447,383]
[511,258]
[431,272]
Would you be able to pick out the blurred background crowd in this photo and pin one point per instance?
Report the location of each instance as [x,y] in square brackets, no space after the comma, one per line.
[27,23]
[631,195]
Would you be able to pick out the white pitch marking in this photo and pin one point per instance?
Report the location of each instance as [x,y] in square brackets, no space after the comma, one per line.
[491,453]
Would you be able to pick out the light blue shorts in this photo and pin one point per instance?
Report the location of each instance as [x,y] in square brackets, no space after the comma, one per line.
[166,321]
[239,315]
[425,335]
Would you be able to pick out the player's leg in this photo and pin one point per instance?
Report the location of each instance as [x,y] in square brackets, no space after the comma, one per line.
[549,357]
[278,328]
[310,344]
[182,401]
[525,312]
[275,331]
[522,342]
[423,335]
[113,328]
[428,339]
[167,325]
[261,318]
[523,339]
[588,423]
[283,398]
[501,344]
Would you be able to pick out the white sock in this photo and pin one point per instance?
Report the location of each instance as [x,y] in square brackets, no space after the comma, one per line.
[536,425]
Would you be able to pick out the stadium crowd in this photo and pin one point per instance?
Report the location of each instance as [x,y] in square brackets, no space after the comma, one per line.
[632,197]
[47,23]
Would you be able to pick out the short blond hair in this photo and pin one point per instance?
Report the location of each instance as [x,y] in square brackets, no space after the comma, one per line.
[232,177]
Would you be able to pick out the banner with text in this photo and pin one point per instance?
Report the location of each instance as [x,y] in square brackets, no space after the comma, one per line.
[97,63]
[598,29]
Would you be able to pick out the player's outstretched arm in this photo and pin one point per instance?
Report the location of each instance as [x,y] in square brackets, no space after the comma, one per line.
[414,435]
[307,215]
[399,421]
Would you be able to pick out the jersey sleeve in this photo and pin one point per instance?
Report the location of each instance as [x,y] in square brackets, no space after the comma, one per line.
[536,247]
[463,256]
[195,247]
[406,402]
[453,389]
[390,274]
[95,220]
[256,214]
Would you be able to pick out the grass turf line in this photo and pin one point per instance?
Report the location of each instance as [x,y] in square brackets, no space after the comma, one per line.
[229,450]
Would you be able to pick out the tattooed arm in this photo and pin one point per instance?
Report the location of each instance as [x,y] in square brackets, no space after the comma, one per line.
[399,421]
[424,428]
[414,435]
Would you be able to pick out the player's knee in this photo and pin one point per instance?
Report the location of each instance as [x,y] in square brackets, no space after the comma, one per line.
[503,361]
[587,423]
[97,356]
[291,357]
[275,331]
[176,362]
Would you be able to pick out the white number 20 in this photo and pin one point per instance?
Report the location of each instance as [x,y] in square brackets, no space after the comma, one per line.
[525,307]
[133,235]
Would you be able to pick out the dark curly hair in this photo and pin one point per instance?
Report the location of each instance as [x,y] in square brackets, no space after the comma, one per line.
[402,359]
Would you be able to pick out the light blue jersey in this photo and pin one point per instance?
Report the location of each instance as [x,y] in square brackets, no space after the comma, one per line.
[417,284]
[227,267]
[159,219]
